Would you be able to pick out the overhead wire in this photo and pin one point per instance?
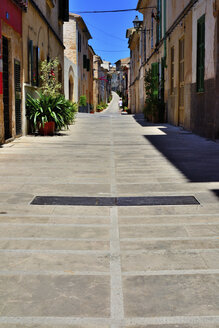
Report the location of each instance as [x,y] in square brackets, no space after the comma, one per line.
[112,11]
[106,33]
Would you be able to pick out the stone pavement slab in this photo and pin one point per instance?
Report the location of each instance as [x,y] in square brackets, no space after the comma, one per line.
[109,267]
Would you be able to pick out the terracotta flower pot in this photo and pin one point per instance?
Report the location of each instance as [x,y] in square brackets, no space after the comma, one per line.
[48,129]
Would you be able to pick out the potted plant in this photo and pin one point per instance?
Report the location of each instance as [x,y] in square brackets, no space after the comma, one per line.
[49,110]
[47,113]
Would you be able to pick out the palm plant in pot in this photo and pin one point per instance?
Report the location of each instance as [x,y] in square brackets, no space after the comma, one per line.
[49,110]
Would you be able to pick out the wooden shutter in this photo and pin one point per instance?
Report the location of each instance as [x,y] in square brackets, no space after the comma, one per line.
[84,61]
[30,61]
[64,10]
[200,53]
[88,65]
[17,88]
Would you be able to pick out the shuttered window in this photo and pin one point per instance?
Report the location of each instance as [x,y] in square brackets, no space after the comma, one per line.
[172,71]
[17,89]
[155,78]
[200,53]
[88,65]
[84,61]
[159,21]
[33,64]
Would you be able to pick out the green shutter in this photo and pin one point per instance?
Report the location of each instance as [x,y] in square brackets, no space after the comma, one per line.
[30,61]
[155,77]
[159,22]
[200,53]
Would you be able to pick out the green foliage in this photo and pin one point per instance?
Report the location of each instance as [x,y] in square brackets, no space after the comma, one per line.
[101,106]
[83,101]
[47,108]
[50,85]
[154,107]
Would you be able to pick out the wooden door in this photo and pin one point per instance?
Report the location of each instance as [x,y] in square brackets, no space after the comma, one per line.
[17,88]
[181,82]
[6,100]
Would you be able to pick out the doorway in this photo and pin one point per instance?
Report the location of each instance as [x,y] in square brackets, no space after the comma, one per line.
[17,87]
[6,100]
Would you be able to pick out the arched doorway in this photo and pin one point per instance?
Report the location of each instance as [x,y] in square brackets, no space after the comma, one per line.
[70,88]
[71,84]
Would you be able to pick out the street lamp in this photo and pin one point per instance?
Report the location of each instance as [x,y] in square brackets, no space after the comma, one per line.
[137,23]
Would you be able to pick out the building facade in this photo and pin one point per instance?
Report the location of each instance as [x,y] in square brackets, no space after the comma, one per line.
[11,65]
[179,43]
[122,67]
[76,37]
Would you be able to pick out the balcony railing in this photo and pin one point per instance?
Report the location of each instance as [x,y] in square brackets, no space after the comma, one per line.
[23,4]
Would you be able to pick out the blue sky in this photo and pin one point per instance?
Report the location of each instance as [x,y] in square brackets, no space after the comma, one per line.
[107,30]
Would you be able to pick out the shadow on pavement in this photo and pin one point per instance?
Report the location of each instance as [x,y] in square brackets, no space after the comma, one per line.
[196,157]
[216,192]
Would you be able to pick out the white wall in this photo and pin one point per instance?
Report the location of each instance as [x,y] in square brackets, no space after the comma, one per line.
[67,65]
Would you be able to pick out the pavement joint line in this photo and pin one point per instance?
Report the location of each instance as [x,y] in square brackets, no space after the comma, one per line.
[54,239]
[107,252]
[198,320]
[169,224]
[142,239]
[116,298]
[54,224]
[95,225]
[117,307]
[193,215]
[53,272]
[56,251]
[171,272]
[61,216]
[170,251]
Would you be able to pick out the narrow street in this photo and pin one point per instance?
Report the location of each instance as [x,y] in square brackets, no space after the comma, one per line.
[110,266]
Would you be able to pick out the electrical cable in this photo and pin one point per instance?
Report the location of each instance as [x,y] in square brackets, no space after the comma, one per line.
[112,11]
[111,50]
[110,35]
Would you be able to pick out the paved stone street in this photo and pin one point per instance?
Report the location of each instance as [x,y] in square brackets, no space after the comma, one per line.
[99,266]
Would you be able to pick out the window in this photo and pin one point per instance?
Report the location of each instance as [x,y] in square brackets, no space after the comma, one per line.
[88,65]
[84,61]
[159,21]
[33,64]
[172,71]
[152,30]
[200,53]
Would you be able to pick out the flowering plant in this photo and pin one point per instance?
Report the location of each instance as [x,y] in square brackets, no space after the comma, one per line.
[50,85]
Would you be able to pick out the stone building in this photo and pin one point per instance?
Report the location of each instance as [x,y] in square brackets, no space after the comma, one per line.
[179,41]
[134,86]
[97,61]
[122,67]
[42,39]
[114,78]
[91,55]
[76,37]
[11,64]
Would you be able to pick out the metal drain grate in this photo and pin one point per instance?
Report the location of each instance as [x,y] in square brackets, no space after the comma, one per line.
[115,201]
